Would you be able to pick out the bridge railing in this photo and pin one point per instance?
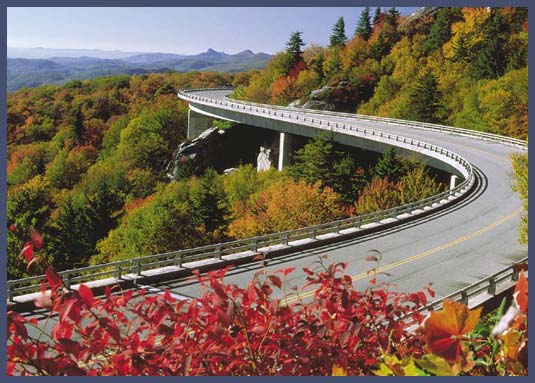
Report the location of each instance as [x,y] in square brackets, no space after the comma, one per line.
[312,119]
[386,120]
[134,268]
[486,285]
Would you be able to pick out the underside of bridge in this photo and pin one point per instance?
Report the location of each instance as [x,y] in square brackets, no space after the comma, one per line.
[290,137]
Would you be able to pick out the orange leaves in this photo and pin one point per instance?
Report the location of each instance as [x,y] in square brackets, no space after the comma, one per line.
[444,329]
[285,205]
[521,293]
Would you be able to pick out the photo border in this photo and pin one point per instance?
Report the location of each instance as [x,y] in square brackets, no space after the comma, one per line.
[196,3]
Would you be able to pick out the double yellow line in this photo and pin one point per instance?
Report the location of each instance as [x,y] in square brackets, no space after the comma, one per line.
[418,256]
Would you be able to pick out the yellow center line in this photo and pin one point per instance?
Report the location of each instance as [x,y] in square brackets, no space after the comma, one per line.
[419,256]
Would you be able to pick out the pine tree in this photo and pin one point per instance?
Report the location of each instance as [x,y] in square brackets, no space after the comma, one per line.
[338,37]
[293,50]
[441,29]
[389,165]
[364,27]
[319,161]
[377,16]
[425,100]
[207,202]
[379,48]
[392,17]
[461,50]
[491,58]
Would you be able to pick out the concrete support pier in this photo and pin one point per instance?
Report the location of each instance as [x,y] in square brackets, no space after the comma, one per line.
[198,123]
[285,149]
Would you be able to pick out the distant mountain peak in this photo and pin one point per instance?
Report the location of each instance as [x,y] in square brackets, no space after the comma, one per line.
[246,52]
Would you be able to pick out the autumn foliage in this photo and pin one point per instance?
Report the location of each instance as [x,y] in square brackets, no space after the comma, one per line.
[231,330]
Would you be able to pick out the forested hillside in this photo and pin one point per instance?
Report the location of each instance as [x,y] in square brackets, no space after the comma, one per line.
[87,160]
[465,67]
[86,170]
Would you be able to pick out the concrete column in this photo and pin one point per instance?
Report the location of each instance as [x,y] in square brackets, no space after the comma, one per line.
[284,150]
[453,181]
[198,123]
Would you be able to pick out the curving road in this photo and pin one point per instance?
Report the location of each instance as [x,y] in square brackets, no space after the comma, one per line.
[451,248]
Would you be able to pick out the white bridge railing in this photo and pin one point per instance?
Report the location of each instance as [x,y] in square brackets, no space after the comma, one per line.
[134,268]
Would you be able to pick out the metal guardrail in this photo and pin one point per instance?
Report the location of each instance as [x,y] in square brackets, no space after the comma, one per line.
[133,268]
[485,285]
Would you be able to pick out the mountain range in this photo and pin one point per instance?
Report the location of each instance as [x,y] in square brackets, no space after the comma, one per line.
[39,66]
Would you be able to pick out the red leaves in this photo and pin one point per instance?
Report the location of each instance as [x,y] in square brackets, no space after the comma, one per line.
[444,329]
[86,295]
[239,331]
[27,251]
[111,328]
[53,279]
[35,244]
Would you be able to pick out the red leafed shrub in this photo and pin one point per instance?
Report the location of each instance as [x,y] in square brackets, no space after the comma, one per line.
[227,331]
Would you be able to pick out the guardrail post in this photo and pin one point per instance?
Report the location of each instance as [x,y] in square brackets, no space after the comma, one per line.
[464,297]
[9,292]
[118,271]
[516,273]
[338,224]
[178,260]
[217,254]
[492,286]
[137,267]
[254,246]
[286,239]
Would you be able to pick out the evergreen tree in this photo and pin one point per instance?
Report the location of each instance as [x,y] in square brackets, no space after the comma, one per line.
[338,37]
[425,100]
[319,161]
[294,53]
[377,16]
[207,198]
[441,29]
[492,56]
[461,50]
[392,17]
[379,48]
[364,27]
[389,165]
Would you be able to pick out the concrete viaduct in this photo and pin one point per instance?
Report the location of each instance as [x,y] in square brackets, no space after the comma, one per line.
[457,240]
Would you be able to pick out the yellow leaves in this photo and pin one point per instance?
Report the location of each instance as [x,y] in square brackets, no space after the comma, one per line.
[443,330]
[393,366]
[338,371]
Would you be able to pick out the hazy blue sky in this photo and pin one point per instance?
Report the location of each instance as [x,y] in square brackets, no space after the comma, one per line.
[177,30]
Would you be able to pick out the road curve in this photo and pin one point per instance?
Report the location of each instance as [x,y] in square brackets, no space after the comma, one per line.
[450,248]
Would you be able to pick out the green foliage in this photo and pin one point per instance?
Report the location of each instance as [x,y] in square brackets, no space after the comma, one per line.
[425,100]
[320,162]
[164,222]
[208,201]
[222,124]
[440,31]
[390,165]
[150,139]
[364,27]
[294,53]
[338,37]
[491,58]
[377,16]
[520,185]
